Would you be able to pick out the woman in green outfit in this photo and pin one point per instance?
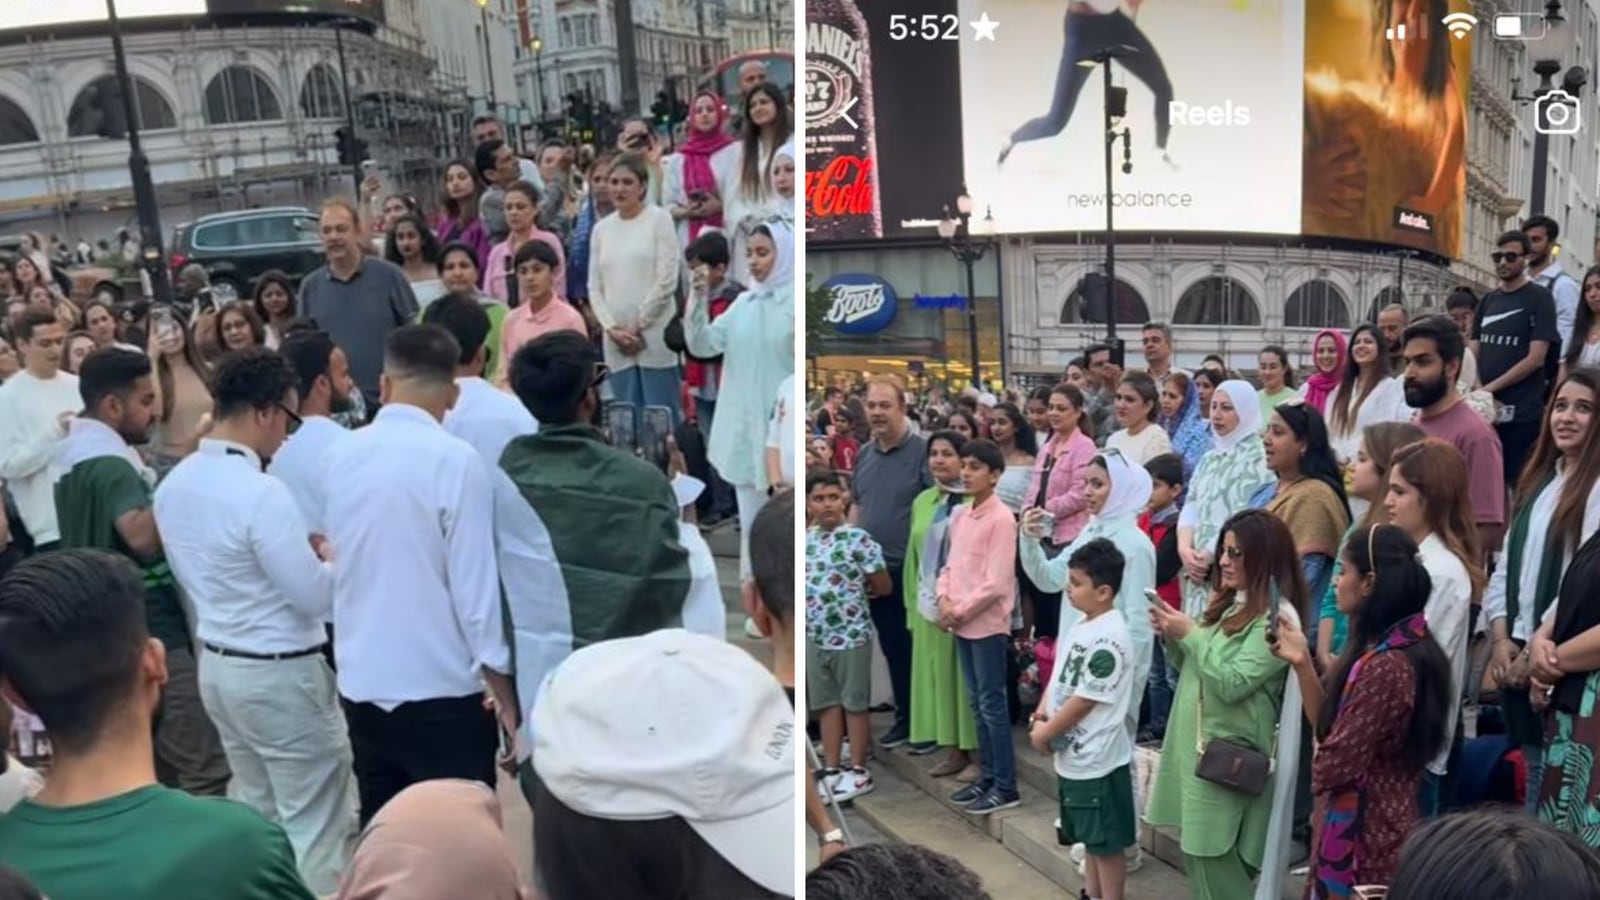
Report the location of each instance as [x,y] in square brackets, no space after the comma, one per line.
[1235,687]
[940,713]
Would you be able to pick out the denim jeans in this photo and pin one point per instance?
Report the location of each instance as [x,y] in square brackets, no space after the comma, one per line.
[643,387]
[1158,691]
[983,665]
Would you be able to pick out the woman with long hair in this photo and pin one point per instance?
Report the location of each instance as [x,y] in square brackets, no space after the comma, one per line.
[522,218]
[1557,508]
[1277,378]
[1565,667]
[459,219]
[276,305]
[748,196]
[596,205]
[1369,481]
[100,321]
[1187,429]
[411,245]
[459,274]
[1367,393]
[1379,713]
[755,338]
[941,713]
[1308,490]
[696,172]
[1038,410]
[183,392]
[1206,380]
[1328,360]
[1057,486]
[1233,470]
[1136,406]
[1430,499]
[633,277]
[1009,430]
[1230,685]
[964,423]
[78,346]
[1583,344]
[28,274]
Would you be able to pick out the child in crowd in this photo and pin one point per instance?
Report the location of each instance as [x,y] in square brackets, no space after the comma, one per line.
[977,590]
[845,446]
[1160,524]
[844,566]
[1082,721]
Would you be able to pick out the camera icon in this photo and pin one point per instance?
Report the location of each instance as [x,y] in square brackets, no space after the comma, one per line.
[1557,112]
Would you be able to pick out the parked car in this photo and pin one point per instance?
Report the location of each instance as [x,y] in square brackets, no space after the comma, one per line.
[237,247]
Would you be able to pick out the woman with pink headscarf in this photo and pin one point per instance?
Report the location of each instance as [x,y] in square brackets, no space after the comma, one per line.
[693,173]
[435,840]
[1328,355]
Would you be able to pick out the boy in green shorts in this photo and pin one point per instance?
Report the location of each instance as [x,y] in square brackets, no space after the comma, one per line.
[844,566]
[1082,719]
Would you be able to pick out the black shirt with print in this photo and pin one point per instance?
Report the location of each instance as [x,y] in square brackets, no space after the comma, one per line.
[1508,321]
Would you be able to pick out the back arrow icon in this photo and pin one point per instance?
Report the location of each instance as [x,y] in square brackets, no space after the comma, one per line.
[845,113]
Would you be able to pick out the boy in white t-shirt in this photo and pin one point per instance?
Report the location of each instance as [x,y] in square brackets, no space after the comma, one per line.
[1082,720]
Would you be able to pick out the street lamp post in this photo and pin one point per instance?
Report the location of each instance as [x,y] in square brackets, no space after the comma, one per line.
[488,57]
[144,191]
[1116,107]
[967,249]
[349,106]
[1553,51]
[538,74]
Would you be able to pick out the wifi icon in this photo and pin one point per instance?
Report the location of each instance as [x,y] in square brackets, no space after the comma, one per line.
[1460,24]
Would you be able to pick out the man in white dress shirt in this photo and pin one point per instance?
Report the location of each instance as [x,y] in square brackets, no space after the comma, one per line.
[35,407]
[416,613]
[324,385]
[237,544]
[484,416]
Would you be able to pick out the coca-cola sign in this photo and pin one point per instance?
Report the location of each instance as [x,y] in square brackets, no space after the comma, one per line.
[842,188]
[862,304]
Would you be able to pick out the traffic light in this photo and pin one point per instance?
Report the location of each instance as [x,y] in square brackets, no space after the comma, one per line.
[105,105]
[661,110]
[352,150]
[680,111]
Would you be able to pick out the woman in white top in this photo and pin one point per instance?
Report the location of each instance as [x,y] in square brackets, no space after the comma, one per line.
[1367,393]
[1140,439]
[696,173]
[412,245]
[748,195]
[1430,498]
[1557,508]
[1582,347]
[1010,431]
[633,275]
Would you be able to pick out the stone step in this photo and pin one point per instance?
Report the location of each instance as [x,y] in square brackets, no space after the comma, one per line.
[1028,832]
[906,814]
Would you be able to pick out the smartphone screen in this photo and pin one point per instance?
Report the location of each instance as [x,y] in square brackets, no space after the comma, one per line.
[654,431]
[620,425]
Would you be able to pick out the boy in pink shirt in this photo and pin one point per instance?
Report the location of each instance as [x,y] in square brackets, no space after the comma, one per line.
[977,589]
[541,311]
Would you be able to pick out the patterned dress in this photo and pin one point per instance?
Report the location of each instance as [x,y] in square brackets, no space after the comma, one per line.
[1224,482]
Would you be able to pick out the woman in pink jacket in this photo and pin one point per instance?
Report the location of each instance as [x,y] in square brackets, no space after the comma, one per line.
[1057,488]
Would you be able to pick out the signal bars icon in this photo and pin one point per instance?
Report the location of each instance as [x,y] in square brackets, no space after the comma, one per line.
[1458,24]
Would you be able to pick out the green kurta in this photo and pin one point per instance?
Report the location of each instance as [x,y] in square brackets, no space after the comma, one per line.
[1244,685]
[940,710]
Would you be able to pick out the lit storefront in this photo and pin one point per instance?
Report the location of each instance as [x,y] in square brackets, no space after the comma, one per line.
[903,311]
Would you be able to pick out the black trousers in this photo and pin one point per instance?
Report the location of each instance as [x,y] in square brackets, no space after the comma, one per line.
[894,636]
[1086,36]
[1516,442]
[450,737]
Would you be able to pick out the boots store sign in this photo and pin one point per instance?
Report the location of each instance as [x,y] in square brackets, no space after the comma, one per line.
[862,304]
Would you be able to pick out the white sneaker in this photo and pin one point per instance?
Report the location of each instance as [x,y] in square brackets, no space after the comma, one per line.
[852,783]
[828,784]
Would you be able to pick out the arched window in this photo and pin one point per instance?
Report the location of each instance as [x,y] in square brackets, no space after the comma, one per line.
[240,94]
[153,111]
[1387,296]
[1218,300]
[15,126]
[1316,304]
[1131,308]
[320,97]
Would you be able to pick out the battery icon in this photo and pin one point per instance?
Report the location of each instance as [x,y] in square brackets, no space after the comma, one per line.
[1520,26]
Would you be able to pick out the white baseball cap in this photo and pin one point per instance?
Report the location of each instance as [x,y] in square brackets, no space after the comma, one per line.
[675,724]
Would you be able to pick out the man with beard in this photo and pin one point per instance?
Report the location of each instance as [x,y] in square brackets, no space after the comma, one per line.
[1155,338]
[323,383]
[238,546]
[104,502]
[1392,320]
[1433,351]
[1516,331]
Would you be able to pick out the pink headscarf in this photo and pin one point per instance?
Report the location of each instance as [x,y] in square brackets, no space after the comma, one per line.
[696,152]
[1321,385]
[435,839]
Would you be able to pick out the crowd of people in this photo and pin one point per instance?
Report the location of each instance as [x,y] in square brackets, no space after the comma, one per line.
[1339,605]
[351,550]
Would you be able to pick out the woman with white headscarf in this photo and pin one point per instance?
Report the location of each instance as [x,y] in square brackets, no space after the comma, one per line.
[1229,474]
[755,338]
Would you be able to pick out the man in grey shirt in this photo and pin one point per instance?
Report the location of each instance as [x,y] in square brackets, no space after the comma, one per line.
[356,299]
[890,472]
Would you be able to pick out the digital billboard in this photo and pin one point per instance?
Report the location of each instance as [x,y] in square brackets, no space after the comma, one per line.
[1242,116]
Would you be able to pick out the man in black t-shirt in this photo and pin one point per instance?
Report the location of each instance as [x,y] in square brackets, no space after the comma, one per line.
[1516,329]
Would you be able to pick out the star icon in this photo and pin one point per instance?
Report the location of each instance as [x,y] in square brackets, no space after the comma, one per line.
[983,29]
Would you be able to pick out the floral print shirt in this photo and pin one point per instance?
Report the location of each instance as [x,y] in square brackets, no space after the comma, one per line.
[838,562]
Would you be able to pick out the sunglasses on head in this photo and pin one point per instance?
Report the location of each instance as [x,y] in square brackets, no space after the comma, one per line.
[1505,257]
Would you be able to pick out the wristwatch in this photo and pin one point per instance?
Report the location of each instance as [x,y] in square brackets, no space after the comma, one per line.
[835,836]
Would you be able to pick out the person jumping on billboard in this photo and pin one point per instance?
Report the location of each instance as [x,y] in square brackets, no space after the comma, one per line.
[1092,27]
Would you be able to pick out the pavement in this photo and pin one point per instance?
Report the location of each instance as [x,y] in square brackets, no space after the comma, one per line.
[514,810]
